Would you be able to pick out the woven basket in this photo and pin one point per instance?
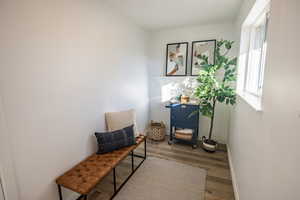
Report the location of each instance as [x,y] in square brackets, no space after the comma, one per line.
[157,131]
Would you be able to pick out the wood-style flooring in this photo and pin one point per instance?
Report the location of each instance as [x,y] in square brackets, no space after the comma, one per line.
[218,180]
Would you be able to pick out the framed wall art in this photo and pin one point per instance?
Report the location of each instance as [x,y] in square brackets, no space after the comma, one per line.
[201,49]
[176,59]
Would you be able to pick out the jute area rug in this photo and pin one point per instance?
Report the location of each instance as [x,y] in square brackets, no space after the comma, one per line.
[159,179]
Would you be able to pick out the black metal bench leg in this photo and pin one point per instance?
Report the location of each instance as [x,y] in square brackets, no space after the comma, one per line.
[132,162]
[145,149]
[114,177]
[60,192]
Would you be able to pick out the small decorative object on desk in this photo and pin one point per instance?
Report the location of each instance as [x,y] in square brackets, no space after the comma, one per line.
[157,131]
[184,99]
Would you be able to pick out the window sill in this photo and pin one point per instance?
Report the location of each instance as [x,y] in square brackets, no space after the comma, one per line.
[252,100]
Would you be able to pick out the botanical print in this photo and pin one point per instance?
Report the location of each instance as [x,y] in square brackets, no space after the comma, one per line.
[202,50]
[176,59]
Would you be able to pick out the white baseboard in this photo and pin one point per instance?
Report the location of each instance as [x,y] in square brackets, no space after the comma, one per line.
[2,186]
[233,176]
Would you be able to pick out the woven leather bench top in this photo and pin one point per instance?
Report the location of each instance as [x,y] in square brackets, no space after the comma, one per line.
[84,176]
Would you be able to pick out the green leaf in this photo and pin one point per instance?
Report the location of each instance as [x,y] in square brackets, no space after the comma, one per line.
[233,61]
[232,101]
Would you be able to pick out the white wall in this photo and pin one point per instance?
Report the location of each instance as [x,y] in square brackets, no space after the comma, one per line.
[63,64]
[264,145]
[157,59]
[7,169]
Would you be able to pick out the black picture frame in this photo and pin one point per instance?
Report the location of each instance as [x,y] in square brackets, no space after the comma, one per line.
[192,57]
[186,58]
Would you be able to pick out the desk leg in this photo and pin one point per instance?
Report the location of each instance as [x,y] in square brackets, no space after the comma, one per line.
[171,132]
[170,141]
[60,192]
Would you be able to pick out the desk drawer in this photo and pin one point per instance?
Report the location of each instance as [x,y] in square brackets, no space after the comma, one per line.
[182,114]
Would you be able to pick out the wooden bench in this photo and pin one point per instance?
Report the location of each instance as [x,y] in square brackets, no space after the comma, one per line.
[88,173]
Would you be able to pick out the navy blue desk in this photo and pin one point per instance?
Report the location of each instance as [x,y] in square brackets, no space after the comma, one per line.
[180,117]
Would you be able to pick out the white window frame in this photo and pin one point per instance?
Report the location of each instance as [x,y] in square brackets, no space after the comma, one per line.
[260,11]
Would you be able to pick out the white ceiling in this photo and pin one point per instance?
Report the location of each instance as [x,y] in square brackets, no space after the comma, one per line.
[158,14]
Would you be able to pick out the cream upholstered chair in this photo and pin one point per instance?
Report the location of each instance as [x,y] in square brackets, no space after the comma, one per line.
[118,120]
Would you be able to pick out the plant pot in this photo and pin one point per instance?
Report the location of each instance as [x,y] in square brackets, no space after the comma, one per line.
[209,145]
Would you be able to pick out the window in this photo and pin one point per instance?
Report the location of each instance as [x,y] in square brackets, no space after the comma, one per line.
[257,56]
[253,55]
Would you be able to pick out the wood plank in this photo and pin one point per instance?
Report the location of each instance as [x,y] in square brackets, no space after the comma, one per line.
[194,155]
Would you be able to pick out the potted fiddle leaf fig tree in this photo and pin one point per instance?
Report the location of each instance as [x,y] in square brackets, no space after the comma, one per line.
[215,85]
